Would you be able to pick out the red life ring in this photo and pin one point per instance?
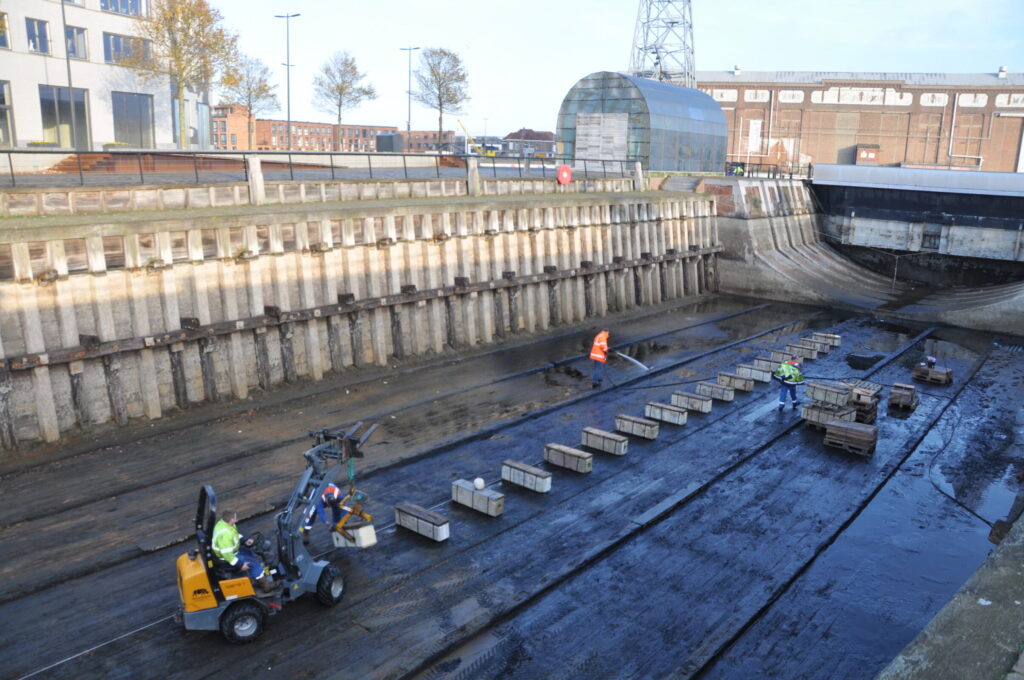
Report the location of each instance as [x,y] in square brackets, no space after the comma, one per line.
[564,174]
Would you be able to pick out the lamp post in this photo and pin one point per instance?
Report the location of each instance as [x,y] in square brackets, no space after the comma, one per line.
[288,65]
[408,116]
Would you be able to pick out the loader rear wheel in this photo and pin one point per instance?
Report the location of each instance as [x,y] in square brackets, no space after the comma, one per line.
[331,586]
[242,623]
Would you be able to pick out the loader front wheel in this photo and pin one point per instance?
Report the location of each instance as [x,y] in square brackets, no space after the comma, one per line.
[331,586]
[242,623]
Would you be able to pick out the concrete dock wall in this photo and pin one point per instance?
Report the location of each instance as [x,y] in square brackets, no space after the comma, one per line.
[147,314]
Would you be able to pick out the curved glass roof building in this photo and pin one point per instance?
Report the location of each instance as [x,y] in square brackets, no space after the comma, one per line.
[612,116]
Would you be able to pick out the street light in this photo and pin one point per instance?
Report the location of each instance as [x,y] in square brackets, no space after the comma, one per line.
[288,74]
[408,117]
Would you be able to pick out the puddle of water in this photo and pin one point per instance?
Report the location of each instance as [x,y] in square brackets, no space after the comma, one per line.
[862,362]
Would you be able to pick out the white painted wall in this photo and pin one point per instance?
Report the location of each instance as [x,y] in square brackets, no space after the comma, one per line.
[26,70]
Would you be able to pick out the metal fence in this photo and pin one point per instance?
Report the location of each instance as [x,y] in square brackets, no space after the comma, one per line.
[51,168]
[767,170]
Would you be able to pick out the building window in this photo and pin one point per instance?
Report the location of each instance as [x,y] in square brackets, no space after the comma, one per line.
[117,47]
[223,139]
[5,40]
[234,139]
[58,110]
[75,38]
[129,7]
[133,119]
[6,116]
[38,36]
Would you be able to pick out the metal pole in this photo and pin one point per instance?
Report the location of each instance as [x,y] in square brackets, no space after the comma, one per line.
[288,72]
[71,96]
[369,164]
[142,178]
[408,116]
[10,165]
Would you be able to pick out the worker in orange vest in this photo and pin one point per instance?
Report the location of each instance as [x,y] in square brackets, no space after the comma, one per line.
[599,355]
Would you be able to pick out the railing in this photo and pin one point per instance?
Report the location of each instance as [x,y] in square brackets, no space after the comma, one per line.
[52,168]
[767,170]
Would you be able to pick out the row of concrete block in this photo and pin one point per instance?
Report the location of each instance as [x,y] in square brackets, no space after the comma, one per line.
[492,503]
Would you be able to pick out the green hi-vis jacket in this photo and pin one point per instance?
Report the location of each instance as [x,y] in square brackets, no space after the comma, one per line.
[226,540]
[789,374]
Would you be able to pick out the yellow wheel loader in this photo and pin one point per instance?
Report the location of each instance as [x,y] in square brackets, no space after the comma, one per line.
[216,596]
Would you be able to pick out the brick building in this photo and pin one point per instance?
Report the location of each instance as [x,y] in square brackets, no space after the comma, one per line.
[930,120]
[229,133]
[422,141]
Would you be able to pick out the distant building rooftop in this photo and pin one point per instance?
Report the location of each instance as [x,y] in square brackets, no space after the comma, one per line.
[820,77]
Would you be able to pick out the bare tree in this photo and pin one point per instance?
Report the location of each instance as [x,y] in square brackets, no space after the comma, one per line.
[442,81]
[247,84]
[337,86]
[184,40]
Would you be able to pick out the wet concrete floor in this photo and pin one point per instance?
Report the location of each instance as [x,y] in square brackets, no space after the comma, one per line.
[734,546]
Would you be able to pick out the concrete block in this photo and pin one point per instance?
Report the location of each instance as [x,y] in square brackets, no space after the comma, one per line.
[735,381]
[802,351]
[692,402]
[526,476]
[666,413]
[822,347]
[639,427]
[832,339]
[568,457]
[609,442]
[766,364]
[362,532]
[835,394]
[778,356]
[422,521]
[754,372]
[715,391]
[487,501]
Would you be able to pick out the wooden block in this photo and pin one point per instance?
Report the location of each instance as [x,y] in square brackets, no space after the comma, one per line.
[692,402]
[803,351]
[937,375]
[735,382]
[526,476]
[422,521]
[666,413]
[569,458]
[609,442]
[853,437]
[821,347]
[639,427]
[487,501]
[715,391]
[831,338]
[836,394]
[754,372]
[821,414]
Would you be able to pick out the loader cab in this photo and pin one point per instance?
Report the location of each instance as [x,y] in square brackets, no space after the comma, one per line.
[213,597]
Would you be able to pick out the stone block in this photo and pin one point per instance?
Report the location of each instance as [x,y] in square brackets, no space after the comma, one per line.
[692,402]
[609,442]
[526,476]
[754,372]
[417,519]
[666,413]
[639,427]
[568,457]
[735,381]
[487,501]
[715,391]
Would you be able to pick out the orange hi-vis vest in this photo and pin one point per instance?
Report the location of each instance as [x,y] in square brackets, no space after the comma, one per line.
[599,352]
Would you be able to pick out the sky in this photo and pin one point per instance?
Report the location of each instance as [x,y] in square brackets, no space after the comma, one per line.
[523,56]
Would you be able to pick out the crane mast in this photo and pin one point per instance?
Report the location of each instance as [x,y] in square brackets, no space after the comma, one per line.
[663,42]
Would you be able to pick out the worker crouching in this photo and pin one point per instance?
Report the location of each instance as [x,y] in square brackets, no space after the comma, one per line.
[788,373]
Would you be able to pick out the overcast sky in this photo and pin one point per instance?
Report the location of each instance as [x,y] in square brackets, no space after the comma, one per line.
[523,56]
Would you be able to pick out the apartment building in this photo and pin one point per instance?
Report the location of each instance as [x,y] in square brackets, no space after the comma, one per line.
[230,125]
[60,85]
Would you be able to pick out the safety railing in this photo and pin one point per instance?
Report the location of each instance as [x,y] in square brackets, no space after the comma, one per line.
[59,168]
[767,170]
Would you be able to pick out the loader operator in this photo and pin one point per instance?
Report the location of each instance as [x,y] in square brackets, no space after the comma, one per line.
[788,373]
[227,546]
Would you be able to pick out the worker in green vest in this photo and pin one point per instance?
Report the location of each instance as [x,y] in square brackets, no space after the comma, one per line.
[227,545]
[788,373]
